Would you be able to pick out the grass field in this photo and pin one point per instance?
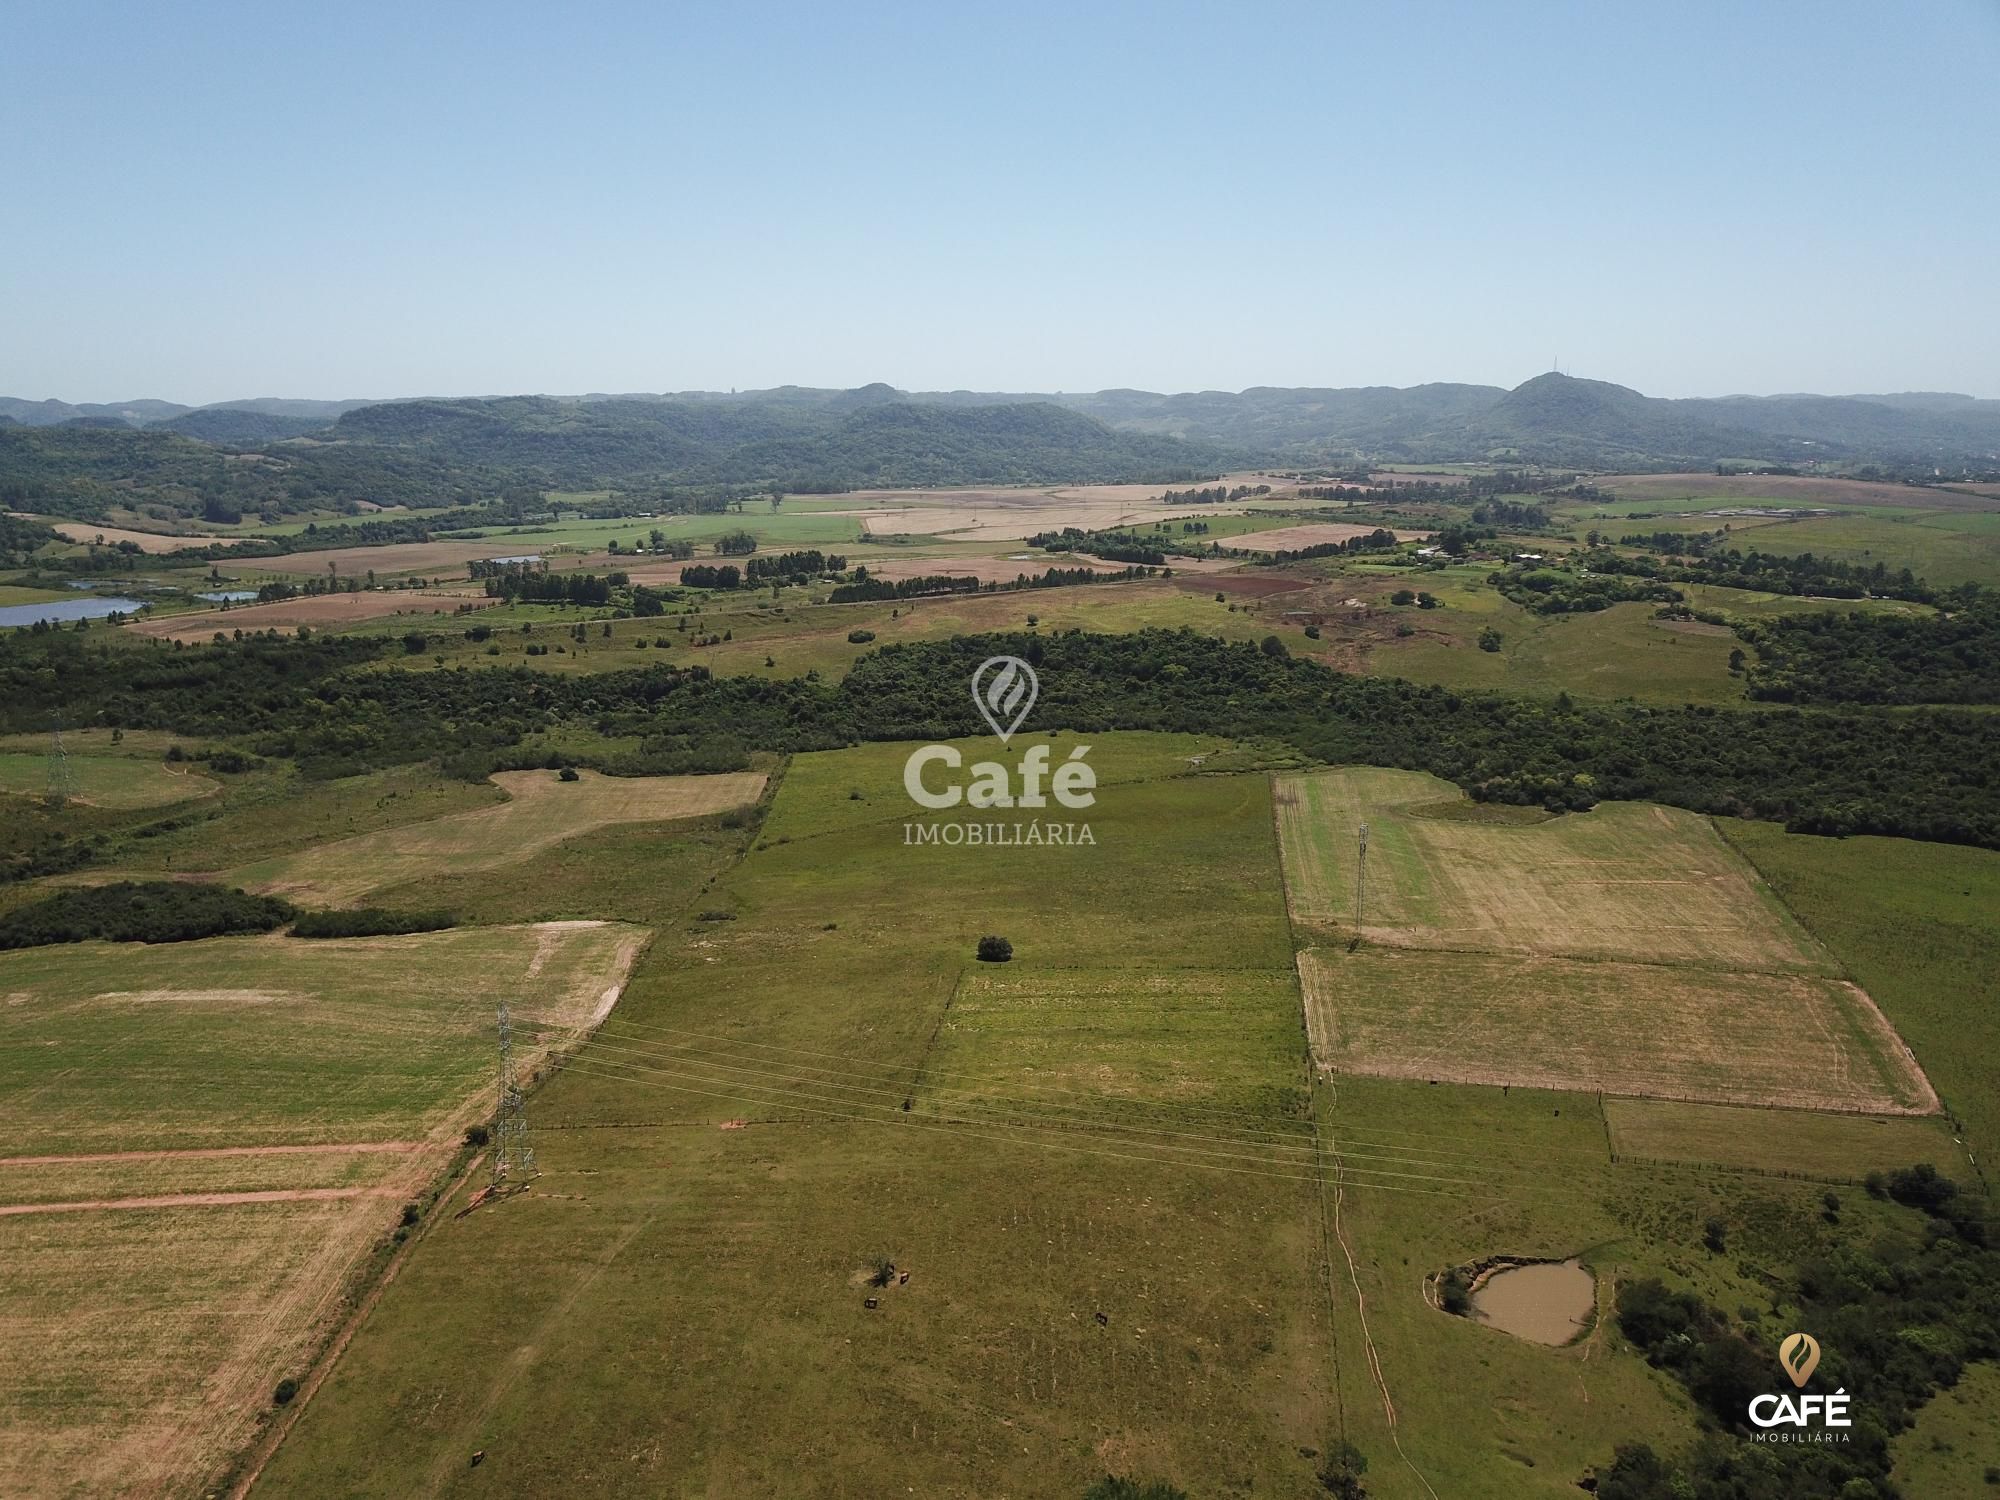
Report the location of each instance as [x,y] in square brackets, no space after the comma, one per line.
[1839,1148]
[541,811]
[1119,1122]
[1659,1030]
[1679,490]
[1913,923]
[796,636]
[150,1304]
[682,1239]
[1485,1416]
[109,780]
[1621,652]
[269,1040]
[1949,1454]
[9,594]
[1626,881]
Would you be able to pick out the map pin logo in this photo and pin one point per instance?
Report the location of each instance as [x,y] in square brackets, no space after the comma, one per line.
[1799,1354]
[1003,690]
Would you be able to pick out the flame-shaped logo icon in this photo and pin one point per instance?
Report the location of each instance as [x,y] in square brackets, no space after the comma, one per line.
[1799,1354]
[1003,690]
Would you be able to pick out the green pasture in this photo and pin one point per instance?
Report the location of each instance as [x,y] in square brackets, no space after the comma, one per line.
[1913,924]
[266,1040]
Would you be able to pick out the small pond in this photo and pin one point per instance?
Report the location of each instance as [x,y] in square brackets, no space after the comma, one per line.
[66,609]
[525,557]
[1550,1304]
[228,596]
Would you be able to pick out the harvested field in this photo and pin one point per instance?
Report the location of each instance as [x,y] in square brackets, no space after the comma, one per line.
[1243,585]
[319,611]
[1660,1031]
[398,557]
[150,542]
[138,1348]
[1010,514]
[1787,490]
[1628,880]
[1839,1148]
[106,780]
[153,1297]
[1293,538]
[542,810]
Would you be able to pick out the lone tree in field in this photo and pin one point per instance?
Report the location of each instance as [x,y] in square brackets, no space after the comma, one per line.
[995,950]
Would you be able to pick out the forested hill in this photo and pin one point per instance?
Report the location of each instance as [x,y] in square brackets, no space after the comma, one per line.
[221,461]
[1558,419]
[279,457]
[820,444]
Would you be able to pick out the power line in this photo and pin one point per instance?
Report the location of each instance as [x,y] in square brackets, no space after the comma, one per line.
[513,1153]
[638,1074]
[929,1072]
[777,1090]
[792,1086]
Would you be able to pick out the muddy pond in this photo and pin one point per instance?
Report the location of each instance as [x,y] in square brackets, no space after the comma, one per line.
[1550,1304]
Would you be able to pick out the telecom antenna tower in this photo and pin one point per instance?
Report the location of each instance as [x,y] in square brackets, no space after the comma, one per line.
[513,1153]
[62,781]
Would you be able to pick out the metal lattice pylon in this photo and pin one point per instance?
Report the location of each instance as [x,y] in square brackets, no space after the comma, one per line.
[513,1153]
[1360,879]
[62,780]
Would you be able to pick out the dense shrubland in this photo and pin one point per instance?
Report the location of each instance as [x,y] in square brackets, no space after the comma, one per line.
[1921,773]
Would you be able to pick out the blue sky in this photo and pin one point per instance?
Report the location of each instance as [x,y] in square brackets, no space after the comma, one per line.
[218,200]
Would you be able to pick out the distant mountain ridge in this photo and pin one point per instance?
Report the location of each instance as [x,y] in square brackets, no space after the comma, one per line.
[706,435]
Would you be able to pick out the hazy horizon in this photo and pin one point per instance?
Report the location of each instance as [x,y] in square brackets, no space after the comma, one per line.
[230,200]
[607,392]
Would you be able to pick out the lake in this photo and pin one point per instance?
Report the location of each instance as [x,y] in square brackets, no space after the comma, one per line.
[66,609]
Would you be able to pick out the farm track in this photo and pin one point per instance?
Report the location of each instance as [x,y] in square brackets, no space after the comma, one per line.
[204,1153]
[202,1200]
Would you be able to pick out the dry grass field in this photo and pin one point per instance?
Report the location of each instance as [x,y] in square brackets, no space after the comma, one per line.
[320,611]
[1657,1030]
[196,1173]
[1786,490]
[149,542]
[1626,881]
[1841,1148]
[398,557]
[1628,950]
[998,515]
[1292,538]
[541,810]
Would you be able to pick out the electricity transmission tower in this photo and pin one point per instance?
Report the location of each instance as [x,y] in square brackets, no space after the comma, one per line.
[1360,880]
[62,780]
[513,1154]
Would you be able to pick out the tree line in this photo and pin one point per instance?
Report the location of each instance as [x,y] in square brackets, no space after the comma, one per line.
[1928,773]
